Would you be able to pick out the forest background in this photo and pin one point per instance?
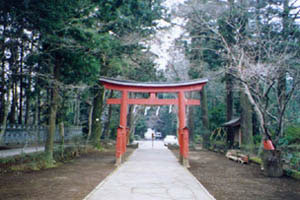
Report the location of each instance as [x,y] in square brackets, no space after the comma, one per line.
[53,53]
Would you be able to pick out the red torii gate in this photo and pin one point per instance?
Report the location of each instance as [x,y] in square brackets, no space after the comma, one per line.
[153,88]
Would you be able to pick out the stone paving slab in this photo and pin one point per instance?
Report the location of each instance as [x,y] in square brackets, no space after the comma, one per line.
[150,174]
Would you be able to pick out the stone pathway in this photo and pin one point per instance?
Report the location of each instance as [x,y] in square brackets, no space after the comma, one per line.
[151,173]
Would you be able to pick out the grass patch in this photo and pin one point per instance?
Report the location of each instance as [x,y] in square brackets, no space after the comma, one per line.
[292,173]
[256,160]
[37,161]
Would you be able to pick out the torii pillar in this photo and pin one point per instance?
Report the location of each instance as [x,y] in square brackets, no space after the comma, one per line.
[122,129]
[183,133]
[153,88]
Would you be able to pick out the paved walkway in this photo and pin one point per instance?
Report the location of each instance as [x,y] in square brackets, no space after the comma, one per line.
[14,152]
[150,174]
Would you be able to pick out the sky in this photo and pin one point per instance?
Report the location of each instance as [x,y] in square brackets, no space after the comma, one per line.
[165,38]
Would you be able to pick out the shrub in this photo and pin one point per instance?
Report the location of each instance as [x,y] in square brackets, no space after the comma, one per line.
[257,139]
[198,139]
[291,135]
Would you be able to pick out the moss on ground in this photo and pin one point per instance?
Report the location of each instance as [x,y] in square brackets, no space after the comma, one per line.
[256,160]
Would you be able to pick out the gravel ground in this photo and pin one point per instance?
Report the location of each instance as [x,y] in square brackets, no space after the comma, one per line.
[72,181]
[229,180]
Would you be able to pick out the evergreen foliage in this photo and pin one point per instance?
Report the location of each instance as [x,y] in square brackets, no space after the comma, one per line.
[55,52]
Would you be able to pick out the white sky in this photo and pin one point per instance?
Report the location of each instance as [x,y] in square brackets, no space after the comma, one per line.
[165,38]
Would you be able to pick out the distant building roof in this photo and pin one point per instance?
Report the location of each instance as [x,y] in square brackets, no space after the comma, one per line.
[233,122]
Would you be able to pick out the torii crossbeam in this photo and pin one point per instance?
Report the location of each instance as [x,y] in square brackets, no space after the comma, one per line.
[153,88]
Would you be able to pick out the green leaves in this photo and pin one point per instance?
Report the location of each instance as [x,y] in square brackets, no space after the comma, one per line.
[122,17]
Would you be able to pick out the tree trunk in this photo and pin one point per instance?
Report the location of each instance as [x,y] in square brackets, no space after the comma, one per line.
[28,100]
[28,89]
[106,126]
[12,116]
[229,107]
[204,109]
[96,119]
[62,136]
[271,159]
[90,123]
[229,96]
[36,106]
[5,114]
[52,118]
[133,124]
[258,112]
[272,164]
[36,113]
[130,120]
[281,92]
[191,125]
[2,87]
[281,87]
[2,103]
[190,120]
[39,111]
[205,119]
[246,122]
[20,119]
[77,110]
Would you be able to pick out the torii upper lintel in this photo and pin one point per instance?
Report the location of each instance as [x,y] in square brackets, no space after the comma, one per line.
[133,86]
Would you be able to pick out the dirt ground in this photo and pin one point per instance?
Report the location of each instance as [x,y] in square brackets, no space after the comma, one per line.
[71,181]
[229,180]
[224,179]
